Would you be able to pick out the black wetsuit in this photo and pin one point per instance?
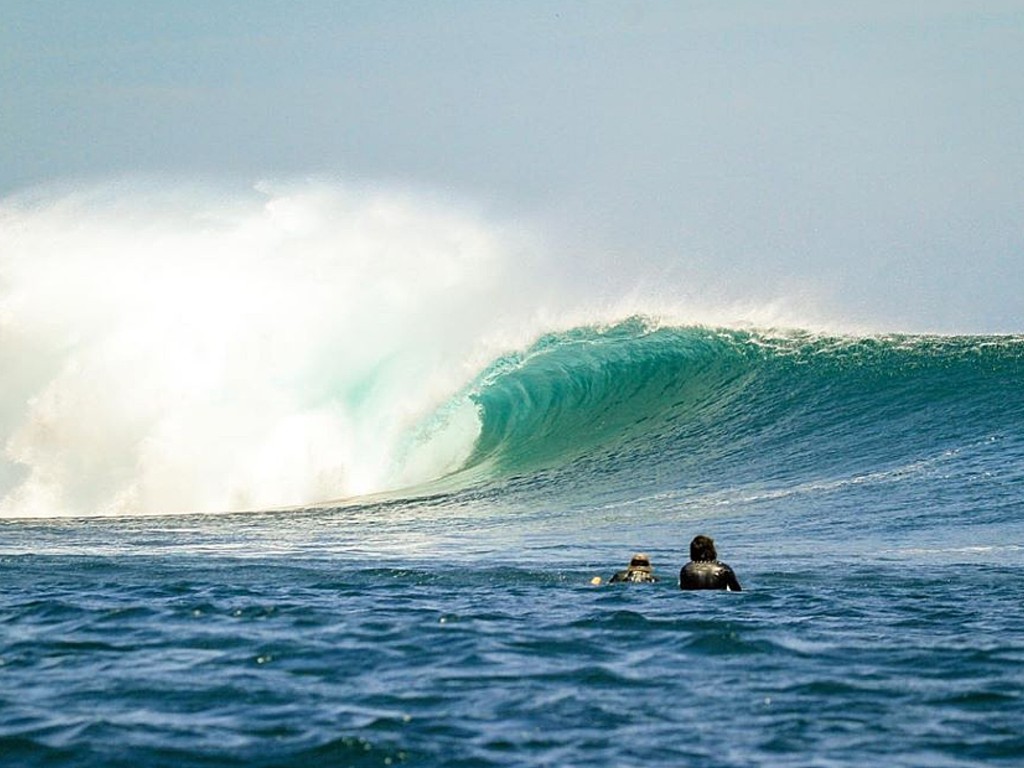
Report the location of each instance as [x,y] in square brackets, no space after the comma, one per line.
[634,575]
[708,574]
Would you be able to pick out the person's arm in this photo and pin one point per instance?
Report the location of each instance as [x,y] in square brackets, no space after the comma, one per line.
[733,584]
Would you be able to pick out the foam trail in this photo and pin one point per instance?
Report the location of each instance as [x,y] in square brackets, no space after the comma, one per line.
[176,350]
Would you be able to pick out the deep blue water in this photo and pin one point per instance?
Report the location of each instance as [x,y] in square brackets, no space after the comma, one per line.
[868,492]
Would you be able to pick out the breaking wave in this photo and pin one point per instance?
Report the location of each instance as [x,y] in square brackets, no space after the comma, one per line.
[182,350]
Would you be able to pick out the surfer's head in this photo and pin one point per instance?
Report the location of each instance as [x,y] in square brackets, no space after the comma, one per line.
[640,562]
[702,548]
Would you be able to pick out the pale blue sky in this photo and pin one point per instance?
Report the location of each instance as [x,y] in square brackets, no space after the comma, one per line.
[868,153]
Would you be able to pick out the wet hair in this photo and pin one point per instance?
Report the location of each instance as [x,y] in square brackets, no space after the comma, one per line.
[640,560]
[702,548]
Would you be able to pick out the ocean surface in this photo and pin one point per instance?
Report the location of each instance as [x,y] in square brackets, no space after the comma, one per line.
[868,490]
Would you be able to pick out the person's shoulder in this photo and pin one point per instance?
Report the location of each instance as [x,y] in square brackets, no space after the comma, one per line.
[690,570]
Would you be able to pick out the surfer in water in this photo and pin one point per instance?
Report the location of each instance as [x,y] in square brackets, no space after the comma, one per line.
[639,570]
[704,571]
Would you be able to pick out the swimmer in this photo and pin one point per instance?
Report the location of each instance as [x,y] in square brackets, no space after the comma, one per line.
[639,570]
[704,571]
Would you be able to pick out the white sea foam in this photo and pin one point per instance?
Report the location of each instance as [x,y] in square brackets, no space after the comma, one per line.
[178,350]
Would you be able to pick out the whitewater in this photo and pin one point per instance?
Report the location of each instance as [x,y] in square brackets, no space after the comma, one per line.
[318,472]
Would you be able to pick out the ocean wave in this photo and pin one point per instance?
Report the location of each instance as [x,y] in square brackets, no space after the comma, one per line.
[784,407]
[178,350]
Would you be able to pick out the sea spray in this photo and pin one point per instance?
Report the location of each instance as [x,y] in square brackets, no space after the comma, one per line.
[171,349]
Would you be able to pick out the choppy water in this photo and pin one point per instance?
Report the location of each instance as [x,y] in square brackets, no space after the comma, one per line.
[194,642]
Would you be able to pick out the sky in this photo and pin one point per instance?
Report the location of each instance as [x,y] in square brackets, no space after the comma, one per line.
[866,159]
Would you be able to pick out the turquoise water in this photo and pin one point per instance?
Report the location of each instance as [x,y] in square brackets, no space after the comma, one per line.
[867,491]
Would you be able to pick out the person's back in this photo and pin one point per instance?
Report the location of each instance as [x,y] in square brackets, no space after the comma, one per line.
[704,571]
